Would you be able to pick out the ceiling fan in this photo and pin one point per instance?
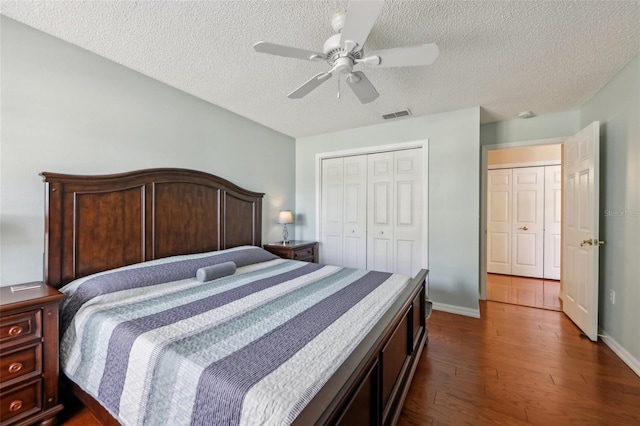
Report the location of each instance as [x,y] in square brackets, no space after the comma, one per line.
[343,51]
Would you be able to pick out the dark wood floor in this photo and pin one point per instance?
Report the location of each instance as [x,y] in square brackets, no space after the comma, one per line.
[516,365]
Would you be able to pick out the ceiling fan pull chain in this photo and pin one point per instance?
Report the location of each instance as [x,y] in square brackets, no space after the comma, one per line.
[338,89]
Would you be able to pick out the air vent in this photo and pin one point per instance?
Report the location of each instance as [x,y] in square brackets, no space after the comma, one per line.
[397,114]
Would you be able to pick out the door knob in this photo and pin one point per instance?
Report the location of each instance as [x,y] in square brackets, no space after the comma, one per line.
[523,228]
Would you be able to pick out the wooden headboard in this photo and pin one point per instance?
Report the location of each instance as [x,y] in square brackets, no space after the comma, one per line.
[95,223]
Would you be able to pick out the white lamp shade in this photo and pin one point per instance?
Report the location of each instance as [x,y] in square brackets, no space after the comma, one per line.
[285,216]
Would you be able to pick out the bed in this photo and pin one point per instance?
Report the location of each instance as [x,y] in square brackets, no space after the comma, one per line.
[109,238]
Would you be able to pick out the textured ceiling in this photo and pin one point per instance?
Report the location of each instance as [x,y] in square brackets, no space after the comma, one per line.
[504,56]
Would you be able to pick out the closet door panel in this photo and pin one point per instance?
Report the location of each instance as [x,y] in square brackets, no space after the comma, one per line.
[355,212]
[499,221]
[380,205]
[528,222]
[552,221]
[408,207]
[331,231]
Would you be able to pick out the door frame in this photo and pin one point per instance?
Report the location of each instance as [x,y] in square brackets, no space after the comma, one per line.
[483,198]
[420,143]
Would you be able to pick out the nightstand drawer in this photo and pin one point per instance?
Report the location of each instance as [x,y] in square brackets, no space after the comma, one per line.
[19,328]
[305,254]
[20,364]
[306,251]
[20,402]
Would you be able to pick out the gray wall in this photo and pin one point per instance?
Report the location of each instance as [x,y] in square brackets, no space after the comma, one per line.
[552,125]
[67,110]
[617,107]
[453,192]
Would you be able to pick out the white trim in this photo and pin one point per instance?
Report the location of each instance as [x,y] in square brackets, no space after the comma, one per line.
[525,164]
[625,355]
[421,143]
[483,199]
[372,149]
[458,310]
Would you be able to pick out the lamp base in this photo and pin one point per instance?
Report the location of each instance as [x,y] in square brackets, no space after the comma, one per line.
[285,235]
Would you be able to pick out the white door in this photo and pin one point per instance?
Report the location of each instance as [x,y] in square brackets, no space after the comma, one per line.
[581,227]
[499,221]
[552,221]
[355,212]
[332,211]
[528,221]
[380,212]
[408,208]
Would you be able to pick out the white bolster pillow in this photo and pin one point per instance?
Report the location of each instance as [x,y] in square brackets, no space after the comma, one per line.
[213,272]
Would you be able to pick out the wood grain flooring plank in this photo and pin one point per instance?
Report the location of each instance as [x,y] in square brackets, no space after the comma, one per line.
[518,365]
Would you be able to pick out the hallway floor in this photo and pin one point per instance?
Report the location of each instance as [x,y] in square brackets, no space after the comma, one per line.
[533,292]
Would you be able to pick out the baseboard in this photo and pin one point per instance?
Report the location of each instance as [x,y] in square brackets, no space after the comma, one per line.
[624,354]
[459,310]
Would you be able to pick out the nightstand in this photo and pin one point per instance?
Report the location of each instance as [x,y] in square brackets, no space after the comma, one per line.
[306,251]
[29,355]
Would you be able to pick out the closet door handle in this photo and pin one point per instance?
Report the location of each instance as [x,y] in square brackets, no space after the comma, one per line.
[523,228]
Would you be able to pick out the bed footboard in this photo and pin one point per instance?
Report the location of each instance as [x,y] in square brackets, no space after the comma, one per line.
[371,386]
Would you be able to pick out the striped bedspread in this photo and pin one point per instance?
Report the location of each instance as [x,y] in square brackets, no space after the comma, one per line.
[155,346]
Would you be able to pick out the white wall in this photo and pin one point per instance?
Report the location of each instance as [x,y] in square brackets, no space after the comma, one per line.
[454,172]
[66,110]
[617,107]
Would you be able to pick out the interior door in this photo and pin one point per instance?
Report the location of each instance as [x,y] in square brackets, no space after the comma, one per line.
[580,225]
[528,221]
[355,212]
[499,221]
[552,221]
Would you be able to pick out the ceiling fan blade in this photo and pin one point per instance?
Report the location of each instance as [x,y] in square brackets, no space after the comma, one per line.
[309,85]
[424,54]
[362,87]
[286,51]
[361,15]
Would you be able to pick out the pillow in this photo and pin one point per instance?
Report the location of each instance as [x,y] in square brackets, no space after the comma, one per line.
[213,272]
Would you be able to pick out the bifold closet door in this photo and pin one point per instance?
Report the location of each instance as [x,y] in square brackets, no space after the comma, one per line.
[332,211]
[516,222]
[528,222]
[344,215]
[499,202]
[372,211]
[394,211]
[354,253]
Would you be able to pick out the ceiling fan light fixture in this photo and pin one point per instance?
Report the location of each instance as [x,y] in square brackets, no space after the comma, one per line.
[337,20]
[344,50]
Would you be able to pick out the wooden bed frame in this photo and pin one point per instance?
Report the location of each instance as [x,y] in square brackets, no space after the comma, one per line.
[95,223]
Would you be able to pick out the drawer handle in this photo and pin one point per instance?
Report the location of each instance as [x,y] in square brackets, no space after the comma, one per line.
[14,367]
[15,405]
[15,330]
